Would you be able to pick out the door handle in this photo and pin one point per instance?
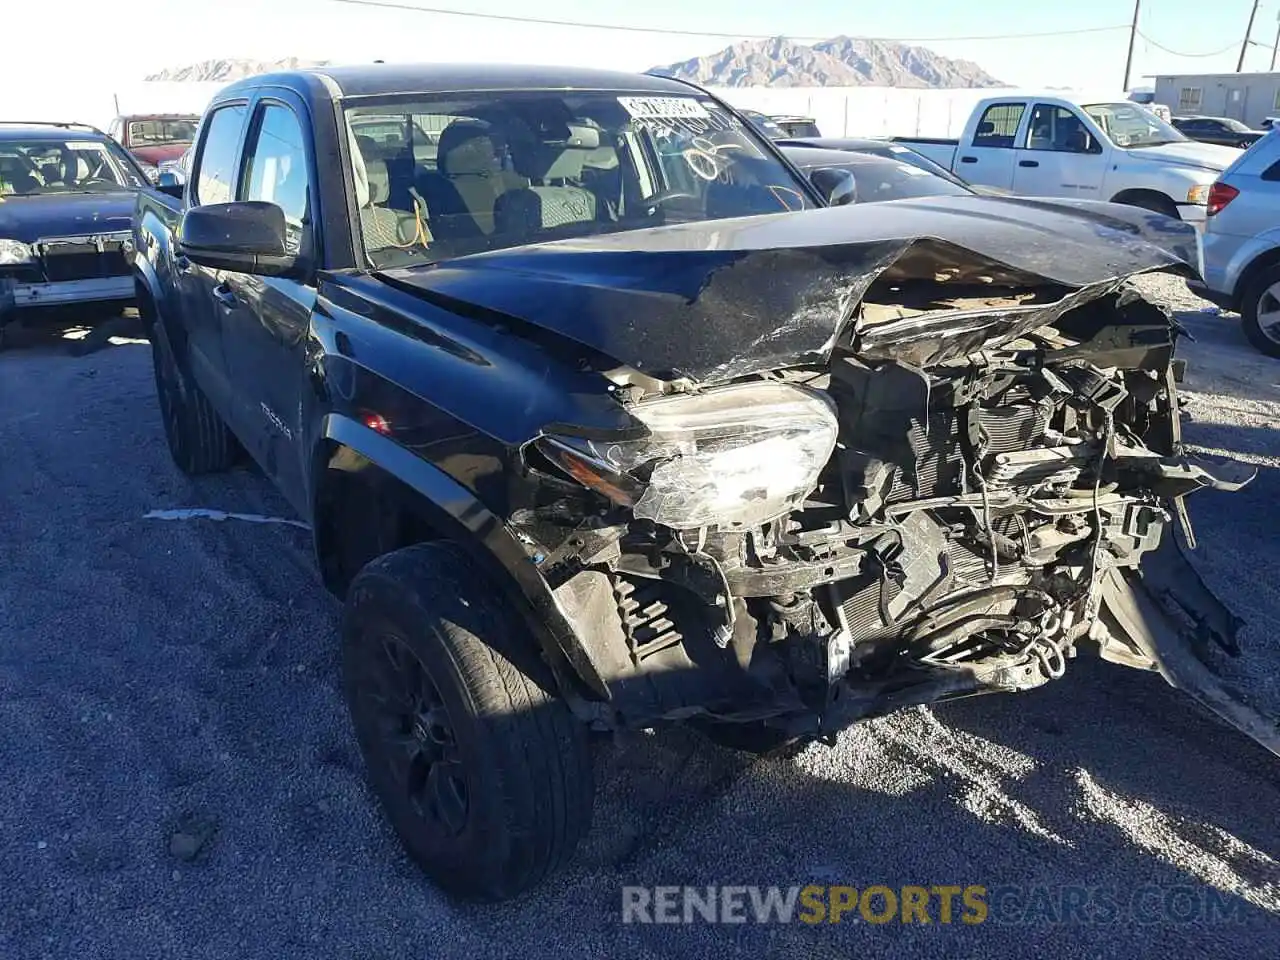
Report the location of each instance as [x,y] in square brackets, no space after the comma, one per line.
[181,264]
[225,296]
[968,159]
[1028,163]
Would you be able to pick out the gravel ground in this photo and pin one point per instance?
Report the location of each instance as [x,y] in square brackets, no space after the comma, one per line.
[180,779]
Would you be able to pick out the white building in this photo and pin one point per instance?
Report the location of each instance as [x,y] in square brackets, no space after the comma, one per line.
[1249,97]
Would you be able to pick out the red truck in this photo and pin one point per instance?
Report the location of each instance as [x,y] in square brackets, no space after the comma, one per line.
[154,138]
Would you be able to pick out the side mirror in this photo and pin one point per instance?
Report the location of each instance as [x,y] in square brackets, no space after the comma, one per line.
[837,186]
[169,183]
[248,236]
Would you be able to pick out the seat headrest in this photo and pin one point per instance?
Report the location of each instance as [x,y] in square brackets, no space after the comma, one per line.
[467,147]
[559,163]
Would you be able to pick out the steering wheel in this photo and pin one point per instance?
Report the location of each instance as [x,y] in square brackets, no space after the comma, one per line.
[95,180]
[662,196]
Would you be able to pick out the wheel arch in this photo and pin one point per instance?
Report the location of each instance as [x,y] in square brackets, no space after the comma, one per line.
[1132,195]
[148,297]
[399,499]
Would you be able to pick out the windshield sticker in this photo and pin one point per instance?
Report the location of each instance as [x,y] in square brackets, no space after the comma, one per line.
[664,108]
[84,145]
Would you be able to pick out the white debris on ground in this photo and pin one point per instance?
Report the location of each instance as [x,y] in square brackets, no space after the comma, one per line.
[180,778]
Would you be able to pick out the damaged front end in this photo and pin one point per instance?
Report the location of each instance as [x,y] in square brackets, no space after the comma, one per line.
[960,498]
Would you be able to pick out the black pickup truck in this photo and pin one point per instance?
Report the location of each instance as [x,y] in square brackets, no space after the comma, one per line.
[602,417]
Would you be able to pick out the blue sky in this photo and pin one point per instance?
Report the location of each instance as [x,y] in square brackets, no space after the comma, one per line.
[158,33]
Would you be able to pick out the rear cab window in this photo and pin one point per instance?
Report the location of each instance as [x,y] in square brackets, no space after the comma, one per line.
[998,126]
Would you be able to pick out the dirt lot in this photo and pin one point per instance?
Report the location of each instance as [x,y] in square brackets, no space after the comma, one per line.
[180,779]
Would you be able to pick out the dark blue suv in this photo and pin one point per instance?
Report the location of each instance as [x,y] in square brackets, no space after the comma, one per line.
[67,194]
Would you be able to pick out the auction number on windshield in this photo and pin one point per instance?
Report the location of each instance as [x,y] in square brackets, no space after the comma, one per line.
[664,108]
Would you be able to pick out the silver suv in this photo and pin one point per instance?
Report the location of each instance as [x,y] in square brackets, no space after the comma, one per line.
[1242,243]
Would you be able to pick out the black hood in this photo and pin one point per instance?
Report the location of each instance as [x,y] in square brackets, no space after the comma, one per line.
[65,214]
[724,298]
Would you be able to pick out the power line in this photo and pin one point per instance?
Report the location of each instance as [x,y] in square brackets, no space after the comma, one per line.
[668,31]
[1179,53]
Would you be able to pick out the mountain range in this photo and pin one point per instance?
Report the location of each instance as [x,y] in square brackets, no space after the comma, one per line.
[233,69]
[778,62]
[838,62]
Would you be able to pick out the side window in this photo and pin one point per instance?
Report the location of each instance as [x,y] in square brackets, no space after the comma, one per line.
[999,125]
[1058,129]
[276,168]
[1272,173]
[216,162]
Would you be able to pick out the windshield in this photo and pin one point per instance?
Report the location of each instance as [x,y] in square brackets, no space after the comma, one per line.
[880,179]
[150,133]
[30,167]
[456,175]
[1132,125]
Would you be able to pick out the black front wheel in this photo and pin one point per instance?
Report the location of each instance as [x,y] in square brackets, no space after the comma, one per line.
[483,772]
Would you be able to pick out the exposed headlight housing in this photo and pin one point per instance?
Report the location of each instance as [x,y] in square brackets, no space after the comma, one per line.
[732,457]
[14,252]
[1199,193]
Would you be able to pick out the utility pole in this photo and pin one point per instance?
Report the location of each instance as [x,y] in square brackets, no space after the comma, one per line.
[1244,46]
[1275,47]
[1133,35]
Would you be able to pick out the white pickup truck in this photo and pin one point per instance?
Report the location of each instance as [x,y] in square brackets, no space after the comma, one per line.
[1082,148]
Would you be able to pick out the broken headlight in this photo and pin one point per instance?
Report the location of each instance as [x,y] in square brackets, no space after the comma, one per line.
[736,456]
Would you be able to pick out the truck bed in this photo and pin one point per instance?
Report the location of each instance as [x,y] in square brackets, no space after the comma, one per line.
[939,150]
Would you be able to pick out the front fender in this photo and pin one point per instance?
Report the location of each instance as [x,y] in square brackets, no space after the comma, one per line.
[453,510]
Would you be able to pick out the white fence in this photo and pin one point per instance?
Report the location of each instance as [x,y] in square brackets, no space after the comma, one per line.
[865,111]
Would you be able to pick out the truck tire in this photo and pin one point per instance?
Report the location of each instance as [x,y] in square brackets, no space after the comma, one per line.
[1260,297]
[483,772]
[199,441]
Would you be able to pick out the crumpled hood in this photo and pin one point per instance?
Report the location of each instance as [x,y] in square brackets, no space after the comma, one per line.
[1213,157]
[65,215]
[721,299]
